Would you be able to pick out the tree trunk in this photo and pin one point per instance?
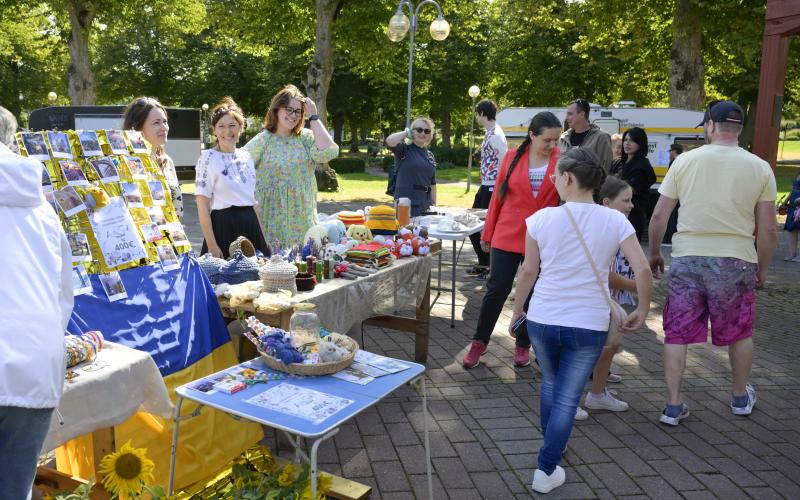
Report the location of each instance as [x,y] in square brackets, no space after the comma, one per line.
[353,136]
[446,128]
[81,78]
[338,127]
[686,68]
[318,75]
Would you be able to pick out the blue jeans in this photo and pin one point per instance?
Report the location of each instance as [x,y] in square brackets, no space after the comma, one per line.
[566,357]
[22,433]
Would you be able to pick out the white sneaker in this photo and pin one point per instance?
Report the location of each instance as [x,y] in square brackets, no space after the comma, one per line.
[751,402]
[580,414]
[604,402]
[666,419]
[543,483]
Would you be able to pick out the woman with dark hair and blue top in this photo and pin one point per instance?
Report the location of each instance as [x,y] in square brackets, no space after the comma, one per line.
[638,172]
[569,316]
[416,166]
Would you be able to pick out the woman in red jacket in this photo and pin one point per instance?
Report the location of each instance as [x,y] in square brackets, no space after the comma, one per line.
[525,187]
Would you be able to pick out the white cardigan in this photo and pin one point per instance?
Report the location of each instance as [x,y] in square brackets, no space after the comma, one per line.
[35,290]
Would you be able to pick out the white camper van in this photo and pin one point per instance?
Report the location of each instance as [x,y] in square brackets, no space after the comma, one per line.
[664,126]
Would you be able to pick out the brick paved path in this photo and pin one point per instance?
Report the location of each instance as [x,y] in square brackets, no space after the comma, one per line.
[485,433]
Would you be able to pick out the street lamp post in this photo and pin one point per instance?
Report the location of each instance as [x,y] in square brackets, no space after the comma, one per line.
[399,25]
[204,120]
[473,92]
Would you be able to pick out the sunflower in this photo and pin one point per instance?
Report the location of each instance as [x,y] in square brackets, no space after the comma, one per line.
[125,470]
[324,483]
[286,477]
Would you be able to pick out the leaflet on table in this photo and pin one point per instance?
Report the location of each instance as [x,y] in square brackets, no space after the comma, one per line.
[360,373]
[381,362]
[233,380]
[300,402]
[116,234]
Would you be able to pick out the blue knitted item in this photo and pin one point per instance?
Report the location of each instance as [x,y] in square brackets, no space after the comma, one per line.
[211,266]
[238,270]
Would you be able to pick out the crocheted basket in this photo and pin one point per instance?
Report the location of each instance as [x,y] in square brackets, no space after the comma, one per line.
[211,266]
[238,270]
[319,368]
[277,274]
[243,244]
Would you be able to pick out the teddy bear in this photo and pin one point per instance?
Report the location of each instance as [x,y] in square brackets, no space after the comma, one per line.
[359,232]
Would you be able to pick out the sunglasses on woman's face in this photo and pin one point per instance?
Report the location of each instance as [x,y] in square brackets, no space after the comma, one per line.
[292,111]
[421,130]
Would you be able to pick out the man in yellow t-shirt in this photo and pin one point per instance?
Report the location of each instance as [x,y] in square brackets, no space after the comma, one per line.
[727,195]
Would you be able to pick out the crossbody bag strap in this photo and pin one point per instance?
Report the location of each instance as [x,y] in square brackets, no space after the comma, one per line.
[604,289]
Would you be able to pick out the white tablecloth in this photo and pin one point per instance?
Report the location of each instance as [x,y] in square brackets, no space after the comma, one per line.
[343,304]
[128,382]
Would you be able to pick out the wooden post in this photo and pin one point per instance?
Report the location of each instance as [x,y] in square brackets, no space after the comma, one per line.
[782,21]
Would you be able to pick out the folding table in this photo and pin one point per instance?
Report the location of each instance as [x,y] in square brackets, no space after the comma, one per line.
[362,397]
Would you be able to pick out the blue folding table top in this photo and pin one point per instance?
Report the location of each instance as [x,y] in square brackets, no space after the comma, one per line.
[363,396]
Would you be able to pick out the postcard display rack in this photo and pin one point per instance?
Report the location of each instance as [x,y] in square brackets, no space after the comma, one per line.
[113,201]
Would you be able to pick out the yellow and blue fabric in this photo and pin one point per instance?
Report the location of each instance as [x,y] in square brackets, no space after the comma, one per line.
[174,316]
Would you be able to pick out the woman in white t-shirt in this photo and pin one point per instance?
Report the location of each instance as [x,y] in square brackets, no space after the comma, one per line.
[225,180]
[568,316]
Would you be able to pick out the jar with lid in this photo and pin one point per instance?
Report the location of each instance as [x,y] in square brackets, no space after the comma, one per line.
[304,324]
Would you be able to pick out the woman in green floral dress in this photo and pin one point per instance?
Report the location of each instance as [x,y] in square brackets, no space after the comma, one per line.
[285,155]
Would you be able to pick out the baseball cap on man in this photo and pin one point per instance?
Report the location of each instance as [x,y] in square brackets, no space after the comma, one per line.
[723,111]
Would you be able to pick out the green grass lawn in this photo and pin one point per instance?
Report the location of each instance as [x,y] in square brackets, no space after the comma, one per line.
[366,187]
[784,175]
[791,150]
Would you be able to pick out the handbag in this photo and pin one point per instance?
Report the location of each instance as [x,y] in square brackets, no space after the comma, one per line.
[618,313]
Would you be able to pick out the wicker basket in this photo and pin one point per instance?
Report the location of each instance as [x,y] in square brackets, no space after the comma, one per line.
[319,368]
[244,245]
[277,274]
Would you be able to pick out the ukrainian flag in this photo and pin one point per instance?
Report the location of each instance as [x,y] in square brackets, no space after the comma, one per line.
[175,317]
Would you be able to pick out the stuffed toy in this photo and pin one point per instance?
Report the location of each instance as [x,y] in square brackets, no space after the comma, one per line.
[390,244]
[336,229]
[406,249]
[96,197]
[359,232]
[330,352]
[319,234]
[423,248]
[379,239]
[405,233]
[329,251]
[420,231]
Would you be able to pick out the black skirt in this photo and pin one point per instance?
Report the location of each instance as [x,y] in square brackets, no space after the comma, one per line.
[232,222]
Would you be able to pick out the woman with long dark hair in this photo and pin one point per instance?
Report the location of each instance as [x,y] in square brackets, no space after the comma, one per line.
[638,172]
[149,117]
[569,314]
[524,188]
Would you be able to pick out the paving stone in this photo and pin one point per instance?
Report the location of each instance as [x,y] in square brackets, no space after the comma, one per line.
[402,434]
[491,485]
[675,475]
[513,482]
[412,458]
[656,488]
[735,472]
[474,457]
[355,463]
[391,476]
[456,431]
[630,462]
[452,473]
[420,485]
[587,451]
[615,479]
[687,459]
[380,448]
[779,482]
[722,486]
